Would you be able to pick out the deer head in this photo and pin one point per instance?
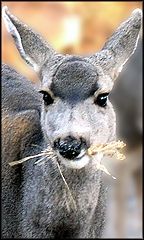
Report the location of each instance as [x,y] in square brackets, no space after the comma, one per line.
[76,111]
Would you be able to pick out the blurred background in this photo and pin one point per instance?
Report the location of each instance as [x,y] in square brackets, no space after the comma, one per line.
[82,28]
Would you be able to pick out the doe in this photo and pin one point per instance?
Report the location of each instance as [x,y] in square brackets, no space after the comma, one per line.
[73,114]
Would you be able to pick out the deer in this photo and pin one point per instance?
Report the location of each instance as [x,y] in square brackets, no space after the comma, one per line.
[67,113]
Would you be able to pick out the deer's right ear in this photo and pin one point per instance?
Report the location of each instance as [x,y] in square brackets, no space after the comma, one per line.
[32,48]
[120,46]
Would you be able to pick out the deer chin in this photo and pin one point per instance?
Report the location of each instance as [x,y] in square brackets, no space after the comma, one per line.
[81,161]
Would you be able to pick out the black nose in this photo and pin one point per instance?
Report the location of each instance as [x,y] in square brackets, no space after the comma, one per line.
[69,147]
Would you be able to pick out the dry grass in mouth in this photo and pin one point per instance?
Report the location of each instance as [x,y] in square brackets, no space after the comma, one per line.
[109,149]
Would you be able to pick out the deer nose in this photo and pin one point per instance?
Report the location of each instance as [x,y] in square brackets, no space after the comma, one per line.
[69,147]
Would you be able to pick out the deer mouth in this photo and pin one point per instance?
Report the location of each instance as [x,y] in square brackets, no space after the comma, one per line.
[82,160]
[82,154]
[72,153]
[79,162]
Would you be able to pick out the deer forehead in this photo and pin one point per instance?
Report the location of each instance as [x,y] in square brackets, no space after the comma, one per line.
[74,79]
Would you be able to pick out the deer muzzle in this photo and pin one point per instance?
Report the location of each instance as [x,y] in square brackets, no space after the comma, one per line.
[70,147]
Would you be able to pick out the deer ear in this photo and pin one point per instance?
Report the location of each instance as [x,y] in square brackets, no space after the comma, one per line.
[120,46]
[32,48]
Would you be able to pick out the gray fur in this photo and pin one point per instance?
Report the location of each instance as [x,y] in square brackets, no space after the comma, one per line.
[35,202]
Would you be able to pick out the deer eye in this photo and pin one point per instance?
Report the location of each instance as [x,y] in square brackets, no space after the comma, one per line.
[101,99]
[47,98]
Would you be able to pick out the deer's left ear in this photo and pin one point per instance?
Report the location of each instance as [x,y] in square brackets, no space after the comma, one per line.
[120,46]
[31,46]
